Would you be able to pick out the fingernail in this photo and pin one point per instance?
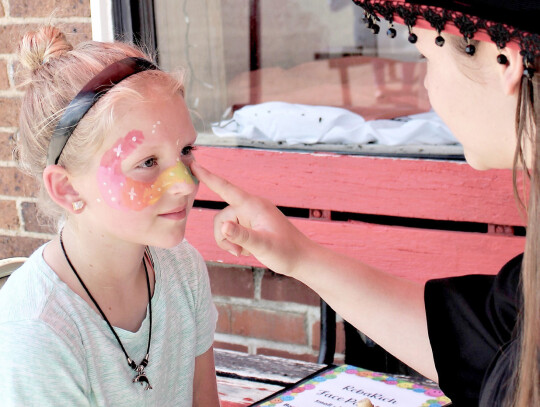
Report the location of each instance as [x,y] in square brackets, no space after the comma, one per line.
[235,254]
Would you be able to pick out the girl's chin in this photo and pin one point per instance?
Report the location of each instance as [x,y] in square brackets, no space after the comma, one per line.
[483,165]
[172,241]
[474,162]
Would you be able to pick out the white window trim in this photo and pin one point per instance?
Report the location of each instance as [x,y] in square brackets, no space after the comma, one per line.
[102,22]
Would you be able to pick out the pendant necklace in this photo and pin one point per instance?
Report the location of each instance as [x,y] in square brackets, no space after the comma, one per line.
[140,376]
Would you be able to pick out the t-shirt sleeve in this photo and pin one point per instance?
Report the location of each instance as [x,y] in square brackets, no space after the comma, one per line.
[469,319]
[41,370]
[206,310]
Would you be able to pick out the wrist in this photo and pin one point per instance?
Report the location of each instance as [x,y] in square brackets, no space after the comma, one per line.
[304,257]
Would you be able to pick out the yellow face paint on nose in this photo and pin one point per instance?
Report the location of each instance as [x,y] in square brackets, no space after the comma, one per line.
[178,173]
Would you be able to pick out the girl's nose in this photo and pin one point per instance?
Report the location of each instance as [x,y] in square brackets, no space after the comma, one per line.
[181,187]
[178,180]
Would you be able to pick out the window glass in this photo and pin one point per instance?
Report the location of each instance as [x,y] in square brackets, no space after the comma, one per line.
[299,74]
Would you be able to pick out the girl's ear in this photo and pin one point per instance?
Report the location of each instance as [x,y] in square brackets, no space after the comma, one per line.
[512,71]
[59,186]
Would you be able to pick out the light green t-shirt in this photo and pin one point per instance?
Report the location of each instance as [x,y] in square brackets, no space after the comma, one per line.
[56,351]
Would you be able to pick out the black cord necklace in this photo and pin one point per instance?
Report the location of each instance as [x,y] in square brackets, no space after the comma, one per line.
[141,375]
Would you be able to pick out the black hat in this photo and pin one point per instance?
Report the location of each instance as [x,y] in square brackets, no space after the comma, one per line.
[507,23]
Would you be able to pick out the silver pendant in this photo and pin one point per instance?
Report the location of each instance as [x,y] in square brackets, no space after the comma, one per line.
[141,377]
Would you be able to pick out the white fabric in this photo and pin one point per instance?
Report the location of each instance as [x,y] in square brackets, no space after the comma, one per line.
[306,124]
[56,351]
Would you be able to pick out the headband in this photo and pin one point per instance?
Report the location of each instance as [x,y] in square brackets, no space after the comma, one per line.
[90,94]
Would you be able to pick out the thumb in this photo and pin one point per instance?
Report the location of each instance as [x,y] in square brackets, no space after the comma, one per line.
[243,239]
[236,233]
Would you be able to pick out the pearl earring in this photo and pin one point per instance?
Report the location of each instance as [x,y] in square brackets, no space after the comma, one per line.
[77,205]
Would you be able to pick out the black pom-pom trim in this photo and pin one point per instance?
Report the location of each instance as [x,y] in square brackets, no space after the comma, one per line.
[467,24]
[501,59]
[470,49]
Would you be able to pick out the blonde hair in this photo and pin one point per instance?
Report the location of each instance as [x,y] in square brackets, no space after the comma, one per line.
[53,72]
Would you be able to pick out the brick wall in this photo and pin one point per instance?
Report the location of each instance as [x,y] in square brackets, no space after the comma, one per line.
[20,230]
[259,312]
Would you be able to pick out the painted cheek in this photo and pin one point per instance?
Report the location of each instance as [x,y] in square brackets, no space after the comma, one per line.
[124,193]
[116,189]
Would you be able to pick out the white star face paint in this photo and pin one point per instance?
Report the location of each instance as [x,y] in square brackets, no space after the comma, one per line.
[118,150]
[154,126]
[122,192]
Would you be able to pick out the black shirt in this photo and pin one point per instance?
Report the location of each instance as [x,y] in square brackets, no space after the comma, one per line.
[471,321]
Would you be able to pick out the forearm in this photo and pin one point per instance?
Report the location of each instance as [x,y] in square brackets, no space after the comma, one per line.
[388,309]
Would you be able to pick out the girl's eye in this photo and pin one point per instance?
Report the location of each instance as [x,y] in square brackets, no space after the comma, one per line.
[188,150]
[149,163]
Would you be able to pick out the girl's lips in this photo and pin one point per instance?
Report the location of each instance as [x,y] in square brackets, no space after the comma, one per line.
[176,214]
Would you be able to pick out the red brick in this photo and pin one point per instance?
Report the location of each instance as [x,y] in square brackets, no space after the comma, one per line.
[76,32]
[340,336]
[306,357]
[11,34]
[18,76]
[9,219]
[276,287]
[4,81]
[7,145]
[230,346]
[224,318]
[269,325]
[9,112]
[16,246]
[33,222]
[46,8]
[14,183]
[231,281]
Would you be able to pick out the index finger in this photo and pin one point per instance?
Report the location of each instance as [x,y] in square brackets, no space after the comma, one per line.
[230,193]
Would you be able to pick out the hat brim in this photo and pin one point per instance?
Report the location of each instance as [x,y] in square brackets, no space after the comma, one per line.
[458,18]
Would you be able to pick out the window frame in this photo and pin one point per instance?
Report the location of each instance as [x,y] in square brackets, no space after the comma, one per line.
[133,20]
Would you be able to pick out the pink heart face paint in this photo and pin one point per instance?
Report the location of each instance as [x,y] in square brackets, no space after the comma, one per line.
[122,192]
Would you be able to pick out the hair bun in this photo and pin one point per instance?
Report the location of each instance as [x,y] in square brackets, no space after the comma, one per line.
[38,47]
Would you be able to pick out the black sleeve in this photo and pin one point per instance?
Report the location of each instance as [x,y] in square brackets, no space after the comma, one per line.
[470,319]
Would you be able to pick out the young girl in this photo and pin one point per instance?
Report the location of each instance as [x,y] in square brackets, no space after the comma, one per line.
[479,336]
[116,310]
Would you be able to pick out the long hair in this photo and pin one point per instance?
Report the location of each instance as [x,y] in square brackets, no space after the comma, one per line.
[525,389]
[527,380]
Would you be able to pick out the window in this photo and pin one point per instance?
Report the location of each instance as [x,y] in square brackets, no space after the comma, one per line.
[294,74]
